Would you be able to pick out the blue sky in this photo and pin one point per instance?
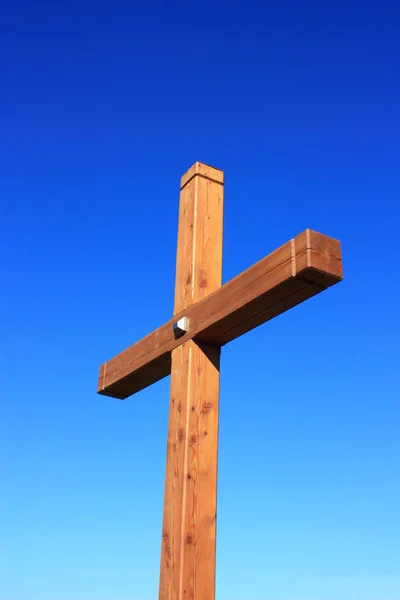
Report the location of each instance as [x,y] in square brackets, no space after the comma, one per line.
[103,107]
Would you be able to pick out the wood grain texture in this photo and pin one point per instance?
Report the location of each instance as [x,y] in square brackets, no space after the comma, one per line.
[189,521]
[202,170]
[199,252]
[296,271]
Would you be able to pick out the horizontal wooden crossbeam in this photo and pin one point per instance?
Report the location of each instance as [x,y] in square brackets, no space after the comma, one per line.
[298,270]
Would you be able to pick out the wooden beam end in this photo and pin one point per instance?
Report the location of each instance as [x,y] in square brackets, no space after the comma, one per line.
[202,170]
[111,394]
[107,391]
[102,376]
[318,258]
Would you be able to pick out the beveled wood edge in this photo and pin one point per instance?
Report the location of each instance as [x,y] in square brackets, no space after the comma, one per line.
[202,170]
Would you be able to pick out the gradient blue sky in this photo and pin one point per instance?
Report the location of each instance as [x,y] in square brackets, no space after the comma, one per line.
[103,106]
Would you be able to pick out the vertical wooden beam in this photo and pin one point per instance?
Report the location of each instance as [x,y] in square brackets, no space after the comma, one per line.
[189,523]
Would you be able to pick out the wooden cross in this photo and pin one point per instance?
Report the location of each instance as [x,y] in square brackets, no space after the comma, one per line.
[207,315]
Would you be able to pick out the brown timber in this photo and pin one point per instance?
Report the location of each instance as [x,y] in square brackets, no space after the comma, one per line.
[298,270]
[189,522]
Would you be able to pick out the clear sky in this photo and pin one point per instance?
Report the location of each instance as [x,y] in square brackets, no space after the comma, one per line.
[103,106]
